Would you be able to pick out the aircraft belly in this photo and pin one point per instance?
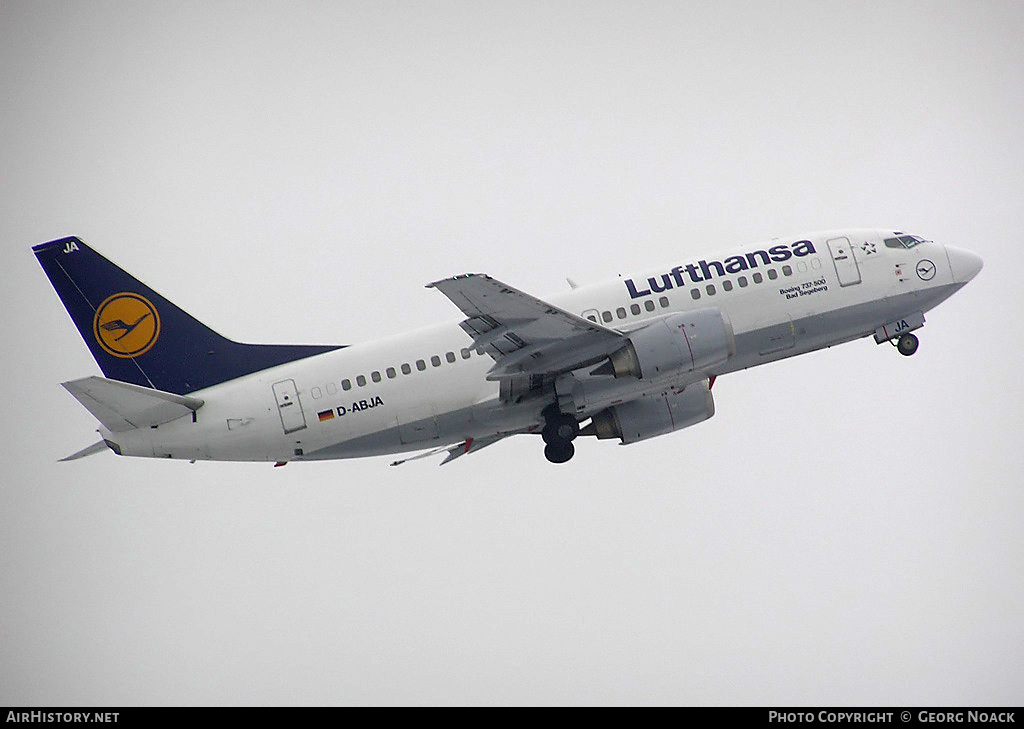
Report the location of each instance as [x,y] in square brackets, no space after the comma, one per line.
[453,426]
[411,435]
[828,328]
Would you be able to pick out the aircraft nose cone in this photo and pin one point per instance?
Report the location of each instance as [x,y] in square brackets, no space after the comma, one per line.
[964,264]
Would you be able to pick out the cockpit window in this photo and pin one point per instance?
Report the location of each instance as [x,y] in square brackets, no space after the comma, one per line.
[902,240]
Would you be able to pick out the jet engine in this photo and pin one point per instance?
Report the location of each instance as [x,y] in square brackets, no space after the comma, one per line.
[650,416]
[685,342]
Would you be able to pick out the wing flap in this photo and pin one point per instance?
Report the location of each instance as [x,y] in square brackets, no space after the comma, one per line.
[523,334]
[120,406]
[470,445]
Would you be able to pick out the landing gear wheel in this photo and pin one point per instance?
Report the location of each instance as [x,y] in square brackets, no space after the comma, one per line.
[907,344]
[560,428]
[559,452]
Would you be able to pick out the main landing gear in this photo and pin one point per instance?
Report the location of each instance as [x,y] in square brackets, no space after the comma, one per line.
[559,432]
[906,344]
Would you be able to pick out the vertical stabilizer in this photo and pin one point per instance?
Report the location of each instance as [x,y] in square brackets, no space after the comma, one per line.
[138,336]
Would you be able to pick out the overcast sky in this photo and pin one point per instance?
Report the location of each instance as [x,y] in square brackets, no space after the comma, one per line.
[846,529]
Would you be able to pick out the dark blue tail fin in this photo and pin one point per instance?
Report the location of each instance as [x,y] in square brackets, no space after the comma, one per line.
[138,336]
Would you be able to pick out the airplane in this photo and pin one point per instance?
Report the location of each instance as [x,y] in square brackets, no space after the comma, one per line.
[626,359]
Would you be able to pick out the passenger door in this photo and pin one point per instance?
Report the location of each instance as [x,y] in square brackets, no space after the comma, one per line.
[288,406]
[847,269]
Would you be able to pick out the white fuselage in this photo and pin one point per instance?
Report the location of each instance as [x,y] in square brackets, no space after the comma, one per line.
[422,389]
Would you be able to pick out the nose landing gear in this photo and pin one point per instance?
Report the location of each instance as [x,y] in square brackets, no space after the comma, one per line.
[906,344]
[559,432]
[898,333]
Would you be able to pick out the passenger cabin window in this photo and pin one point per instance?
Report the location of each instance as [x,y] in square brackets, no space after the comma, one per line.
[361,380]
[649,305]
[634,309]
[758,278]
[742,281]
[620,312]
[727,285]
[421,365]
[346,384]
[406,369]
[711,289]
[606,316]
[466,354]
[695,293]
[435,360]
[390,372]
[316,393]
[664,302]
[592,318]
[773,274]
[787,270]
[450,356]
[375,376]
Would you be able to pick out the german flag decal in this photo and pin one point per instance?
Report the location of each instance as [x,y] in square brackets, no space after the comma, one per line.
[325,415]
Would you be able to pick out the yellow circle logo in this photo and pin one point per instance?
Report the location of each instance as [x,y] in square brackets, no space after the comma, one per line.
[126,325]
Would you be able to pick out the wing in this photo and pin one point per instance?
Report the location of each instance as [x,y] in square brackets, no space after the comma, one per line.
[525,335]
[470,445]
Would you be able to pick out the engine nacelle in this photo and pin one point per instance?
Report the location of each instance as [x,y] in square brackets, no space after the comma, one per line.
[685,342]
[647,417]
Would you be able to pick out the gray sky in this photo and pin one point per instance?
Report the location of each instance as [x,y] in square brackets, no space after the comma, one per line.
[847,528]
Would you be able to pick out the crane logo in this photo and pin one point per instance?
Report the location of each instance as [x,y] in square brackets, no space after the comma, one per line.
[126,325]
[925,270]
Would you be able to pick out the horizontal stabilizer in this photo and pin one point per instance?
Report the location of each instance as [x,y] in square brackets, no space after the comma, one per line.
[91,450]
[120,406]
